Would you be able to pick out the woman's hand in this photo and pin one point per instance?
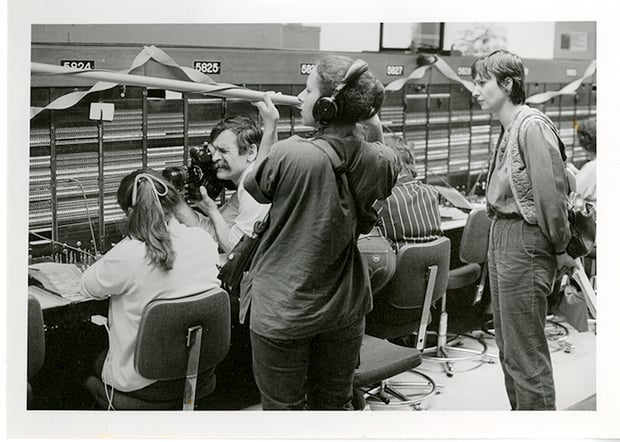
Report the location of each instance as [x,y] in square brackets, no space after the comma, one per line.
[565,263]
[268,111]
[270,115]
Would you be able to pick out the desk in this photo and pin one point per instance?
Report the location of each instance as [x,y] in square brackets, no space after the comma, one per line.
[452,218]
[71,344]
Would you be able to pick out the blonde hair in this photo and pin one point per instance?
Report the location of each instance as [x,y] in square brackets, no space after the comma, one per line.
[149,201]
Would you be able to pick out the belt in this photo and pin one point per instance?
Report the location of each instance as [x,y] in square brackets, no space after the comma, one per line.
[507,216]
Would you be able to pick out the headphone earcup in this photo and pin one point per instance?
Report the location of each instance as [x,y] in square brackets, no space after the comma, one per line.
[324,110]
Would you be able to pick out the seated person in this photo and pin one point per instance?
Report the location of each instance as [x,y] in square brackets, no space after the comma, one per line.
[411,213]
[586,177]
[159,258]
[237,144]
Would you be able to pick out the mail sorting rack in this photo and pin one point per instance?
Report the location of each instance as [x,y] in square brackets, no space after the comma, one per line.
[66,180]
[451,136]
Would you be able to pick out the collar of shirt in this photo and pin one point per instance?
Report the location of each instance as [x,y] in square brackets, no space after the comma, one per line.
[250,168]
[406,179]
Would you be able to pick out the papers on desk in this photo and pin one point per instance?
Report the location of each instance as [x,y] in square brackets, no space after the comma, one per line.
[451,213]
[60,279]
[45,298]
[453,196]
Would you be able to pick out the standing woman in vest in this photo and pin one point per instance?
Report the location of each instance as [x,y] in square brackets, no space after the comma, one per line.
[308,290]
[526,199]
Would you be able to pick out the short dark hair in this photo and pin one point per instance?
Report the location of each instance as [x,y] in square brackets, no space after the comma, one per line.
[586,131]
[360,100]
[403,151]
[244,127]
[502,65]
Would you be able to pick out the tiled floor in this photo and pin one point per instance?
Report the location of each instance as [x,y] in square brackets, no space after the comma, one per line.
[482,388]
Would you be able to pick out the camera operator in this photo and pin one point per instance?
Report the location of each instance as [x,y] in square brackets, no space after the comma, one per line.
[237,143]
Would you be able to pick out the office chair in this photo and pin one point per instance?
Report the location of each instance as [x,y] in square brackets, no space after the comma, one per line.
[381,360]
[402,308]
[36,345]
[473,253]
[421,277]
[178,339]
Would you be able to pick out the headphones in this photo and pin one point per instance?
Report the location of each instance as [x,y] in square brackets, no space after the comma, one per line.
[325,109]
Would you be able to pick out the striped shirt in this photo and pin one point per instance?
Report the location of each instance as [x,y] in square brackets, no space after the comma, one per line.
[410,214]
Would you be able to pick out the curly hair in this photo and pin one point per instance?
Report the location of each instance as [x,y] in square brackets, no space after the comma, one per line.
[404,152]
[502,65]
[149,214]
[586,131]
[244,127]
[359,100]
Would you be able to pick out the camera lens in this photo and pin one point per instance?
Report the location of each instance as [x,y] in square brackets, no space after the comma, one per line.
[177,175]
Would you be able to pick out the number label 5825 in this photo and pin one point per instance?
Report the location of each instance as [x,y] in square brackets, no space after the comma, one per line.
[208,67]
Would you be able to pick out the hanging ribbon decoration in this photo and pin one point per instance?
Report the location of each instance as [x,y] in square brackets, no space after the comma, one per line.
[449,73]
[419,72]
[198,82]
[569,89]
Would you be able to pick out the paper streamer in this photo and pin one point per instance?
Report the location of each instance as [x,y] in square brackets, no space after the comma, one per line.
[199,82]
[443,67]
[569,89]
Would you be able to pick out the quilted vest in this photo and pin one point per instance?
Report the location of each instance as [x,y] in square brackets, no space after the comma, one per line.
[520,182]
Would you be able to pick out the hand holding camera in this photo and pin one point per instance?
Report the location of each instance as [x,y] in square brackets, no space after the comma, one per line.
[201,172]
[205,204]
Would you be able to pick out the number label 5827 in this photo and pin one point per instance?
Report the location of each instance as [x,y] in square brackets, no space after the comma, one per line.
[395,70]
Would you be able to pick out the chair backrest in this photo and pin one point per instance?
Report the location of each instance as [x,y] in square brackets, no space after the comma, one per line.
[407,287]
[162,337]
[36,337]
[475,238]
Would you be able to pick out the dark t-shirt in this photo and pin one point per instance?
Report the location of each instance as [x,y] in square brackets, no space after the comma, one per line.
[307,275]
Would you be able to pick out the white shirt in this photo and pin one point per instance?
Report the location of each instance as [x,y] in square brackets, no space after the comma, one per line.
[586,181]
[241,212]
[125,274]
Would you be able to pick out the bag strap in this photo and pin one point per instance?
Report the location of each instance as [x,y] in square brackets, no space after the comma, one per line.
[341,170]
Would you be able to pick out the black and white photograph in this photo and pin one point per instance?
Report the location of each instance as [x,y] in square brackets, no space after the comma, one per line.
[382,218]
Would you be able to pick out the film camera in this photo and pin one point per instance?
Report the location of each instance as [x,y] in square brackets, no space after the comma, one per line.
[200,172]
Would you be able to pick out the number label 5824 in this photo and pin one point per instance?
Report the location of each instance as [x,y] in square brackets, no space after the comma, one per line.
[78,64]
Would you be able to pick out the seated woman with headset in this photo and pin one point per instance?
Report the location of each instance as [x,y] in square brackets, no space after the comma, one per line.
[307,290]
[159,258]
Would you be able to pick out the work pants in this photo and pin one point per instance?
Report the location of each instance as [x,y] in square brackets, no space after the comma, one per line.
[315,372]
[522,270]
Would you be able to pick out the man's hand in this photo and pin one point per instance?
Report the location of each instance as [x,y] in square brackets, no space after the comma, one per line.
[206,204]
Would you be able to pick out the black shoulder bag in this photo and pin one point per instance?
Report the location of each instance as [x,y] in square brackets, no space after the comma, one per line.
[240,258]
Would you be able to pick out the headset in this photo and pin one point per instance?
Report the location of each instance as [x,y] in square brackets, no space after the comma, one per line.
[325,109]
